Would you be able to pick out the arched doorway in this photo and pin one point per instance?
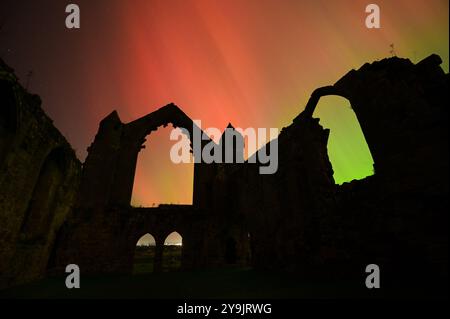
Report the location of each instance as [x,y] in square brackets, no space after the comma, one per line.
[144,255]
[172,252]
[348,151]
[8,117]
[157,179]
[41,206]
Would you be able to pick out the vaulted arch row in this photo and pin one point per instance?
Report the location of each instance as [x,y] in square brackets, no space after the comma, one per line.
[156,250]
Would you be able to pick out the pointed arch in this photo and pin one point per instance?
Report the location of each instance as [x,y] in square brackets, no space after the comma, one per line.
[146,240]
[172,252]
[133,138]
[348,150]
[173,239]
[144,254]
[156,176]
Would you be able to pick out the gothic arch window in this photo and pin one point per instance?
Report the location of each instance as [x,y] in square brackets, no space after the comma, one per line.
[157,179]
[348,151]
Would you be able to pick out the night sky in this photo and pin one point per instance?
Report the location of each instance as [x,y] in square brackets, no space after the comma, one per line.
[253,63]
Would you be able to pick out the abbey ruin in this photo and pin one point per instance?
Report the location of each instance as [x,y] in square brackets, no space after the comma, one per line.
[55,210]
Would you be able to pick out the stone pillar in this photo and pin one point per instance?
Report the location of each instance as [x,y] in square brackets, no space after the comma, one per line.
[158,255]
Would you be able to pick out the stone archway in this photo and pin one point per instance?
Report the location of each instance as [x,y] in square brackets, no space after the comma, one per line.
[348,151]
[107,186]
[144,254]
[132,140]
[172,252]
[157,179]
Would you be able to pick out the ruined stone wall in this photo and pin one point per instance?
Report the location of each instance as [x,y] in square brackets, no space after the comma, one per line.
[39,176]
[97,235]
[226,240]
[299,219]
[93,233]
[288,213]
[402,110]
[106,243]
[296,219]
[396,218]
[163,220]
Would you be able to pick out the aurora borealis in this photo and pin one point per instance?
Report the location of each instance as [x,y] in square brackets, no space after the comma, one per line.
[253,63]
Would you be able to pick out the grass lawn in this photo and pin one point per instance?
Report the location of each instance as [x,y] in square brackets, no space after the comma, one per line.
[222,283]
[144,259]
[218,283]
[225,283]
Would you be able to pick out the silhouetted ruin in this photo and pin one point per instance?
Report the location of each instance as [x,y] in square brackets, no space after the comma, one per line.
[55,211]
